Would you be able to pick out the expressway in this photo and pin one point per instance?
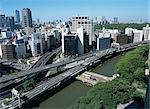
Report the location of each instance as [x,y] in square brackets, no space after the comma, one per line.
[63,63]
[45,58]
[41,62]
[55,81]
[42,68]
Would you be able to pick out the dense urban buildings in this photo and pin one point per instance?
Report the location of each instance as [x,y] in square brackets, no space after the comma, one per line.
[49,54]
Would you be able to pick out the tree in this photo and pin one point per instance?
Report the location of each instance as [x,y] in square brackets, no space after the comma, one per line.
[28,85]
[139,74]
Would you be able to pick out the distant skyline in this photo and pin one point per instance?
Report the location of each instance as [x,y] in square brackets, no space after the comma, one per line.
[48,10]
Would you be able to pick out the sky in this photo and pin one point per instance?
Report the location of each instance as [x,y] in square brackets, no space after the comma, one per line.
[47,10]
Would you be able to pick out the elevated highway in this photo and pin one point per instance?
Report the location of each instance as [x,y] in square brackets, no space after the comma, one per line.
[61,78]
[63,63]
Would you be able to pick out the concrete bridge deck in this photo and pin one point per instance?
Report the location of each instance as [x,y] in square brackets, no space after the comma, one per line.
[93,78]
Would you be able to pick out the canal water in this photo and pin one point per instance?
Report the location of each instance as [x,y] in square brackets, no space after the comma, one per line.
[68,95]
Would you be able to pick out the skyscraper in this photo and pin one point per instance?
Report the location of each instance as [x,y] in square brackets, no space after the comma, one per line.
[2,21]
[26,17]
[10,23]
[17,17]
[115,20]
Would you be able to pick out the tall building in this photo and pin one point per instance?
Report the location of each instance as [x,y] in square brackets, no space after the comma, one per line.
[8,51]
[64,32]
[137,35]
[26,17]
[2,21]
[122,39]
[20,48]
[146,32]
[104,40]
[83,41]
[17,17]
[104,21]
[75,43]
[10,23]
[86,23]
[98,19]
[36,44]
[115,21]
[70,44]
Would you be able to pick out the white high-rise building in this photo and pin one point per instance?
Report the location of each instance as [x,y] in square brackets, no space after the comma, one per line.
[36,44]
[74,43]
[80,33]
[129,31]
[137,35]
[146,32]
[64,32]
[86,23]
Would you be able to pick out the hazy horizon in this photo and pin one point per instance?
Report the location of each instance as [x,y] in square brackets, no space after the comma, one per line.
[46,10]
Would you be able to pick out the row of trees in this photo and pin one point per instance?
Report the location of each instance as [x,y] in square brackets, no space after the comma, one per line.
[121,26]
[131,67]
[108,95]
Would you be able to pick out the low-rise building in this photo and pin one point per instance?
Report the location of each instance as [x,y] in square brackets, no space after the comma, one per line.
[122,39]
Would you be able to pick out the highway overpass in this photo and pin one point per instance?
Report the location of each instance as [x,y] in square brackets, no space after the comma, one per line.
[61,78]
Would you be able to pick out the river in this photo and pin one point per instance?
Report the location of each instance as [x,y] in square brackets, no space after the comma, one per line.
[68,95]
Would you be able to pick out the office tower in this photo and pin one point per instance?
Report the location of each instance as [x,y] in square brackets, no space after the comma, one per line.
[137,35]
[26,17]
[51,42]
[83,41]
[17,17]
[2,21]
[70,45]
[122,39]
[104,21]
[146,32]
[86,23]
[7,34]
[8,51]
[36,44]
[64,31]
[75,43]
[20,48]
[98,19]
[104,40]
[57,35]
[10,23]
[115,21]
